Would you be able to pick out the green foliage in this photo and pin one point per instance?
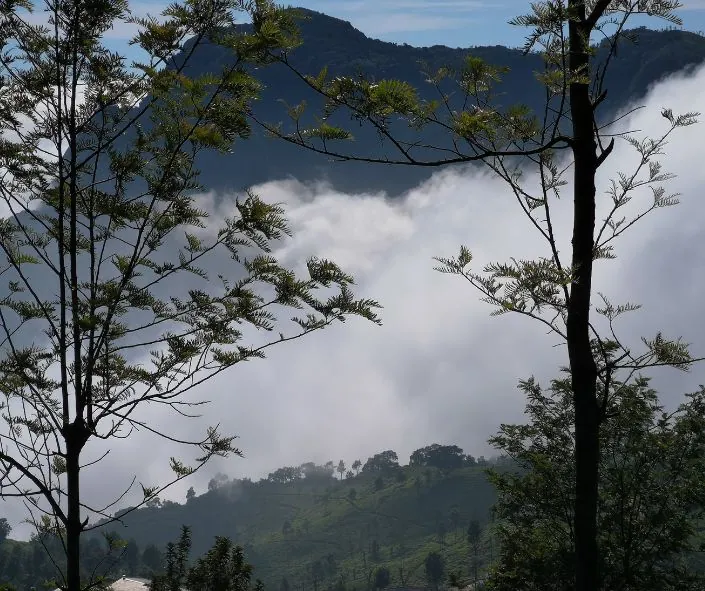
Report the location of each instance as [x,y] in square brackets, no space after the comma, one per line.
[222,568]
[473,533]
[474,539]
[109,256]
[153,558]
[329,524]
[381,102]
[382,578]
[443,457]
[651,499]
[37,562]
[434,568]
[5,529]
[384,462]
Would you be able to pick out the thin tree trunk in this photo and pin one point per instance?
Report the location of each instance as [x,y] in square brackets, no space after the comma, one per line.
[75,440]
[475,565]
[582,363]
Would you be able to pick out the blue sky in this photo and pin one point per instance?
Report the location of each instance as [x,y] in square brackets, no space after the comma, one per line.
[456,23]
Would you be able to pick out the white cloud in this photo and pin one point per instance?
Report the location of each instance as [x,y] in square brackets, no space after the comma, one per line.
[397,16]
[440,369]
[404,23]
[120,29]
[693,5]
[390,7]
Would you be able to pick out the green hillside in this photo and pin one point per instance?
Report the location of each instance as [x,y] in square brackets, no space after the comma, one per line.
[305,527]
[318,530]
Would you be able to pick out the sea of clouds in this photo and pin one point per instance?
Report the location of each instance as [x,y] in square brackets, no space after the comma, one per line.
[440,369]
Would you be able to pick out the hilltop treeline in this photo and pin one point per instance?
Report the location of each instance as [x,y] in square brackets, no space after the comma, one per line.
[310,526]
[443,457]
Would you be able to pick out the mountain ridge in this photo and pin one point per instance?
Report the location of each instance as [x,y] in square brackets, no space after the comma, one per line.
[344,50]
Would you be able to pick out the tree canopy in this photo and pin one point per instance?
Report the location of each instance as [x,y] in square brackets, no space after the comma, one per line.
[382,462]
[119,290]
[443,457]
[222,568]
[651,495]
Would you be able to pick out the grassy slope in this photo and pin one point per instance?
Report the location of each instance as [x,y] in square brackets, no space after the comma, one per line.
[403,519]
[329,527]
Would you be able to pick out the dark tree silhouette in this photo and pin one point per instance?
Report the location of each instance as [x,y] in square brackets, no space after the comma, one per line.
[434,568]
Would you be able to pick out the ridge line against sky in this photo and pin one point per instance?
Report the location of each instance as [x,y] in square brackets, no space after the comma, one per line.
[454,23]
[459,23]
[420,23]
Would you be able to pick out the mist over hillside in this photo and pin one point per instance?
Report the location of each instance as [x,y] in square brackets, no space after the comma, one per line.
[438,370]
[331,521]
[342,210]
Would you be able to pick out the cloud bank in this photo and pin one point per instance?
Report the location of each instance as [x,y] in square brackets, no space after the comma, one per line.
[440,369]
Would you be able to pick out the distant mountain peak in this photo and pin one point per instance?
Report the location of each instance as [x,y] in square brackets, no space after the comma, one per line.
[316,15]
[321,25]
[335,44]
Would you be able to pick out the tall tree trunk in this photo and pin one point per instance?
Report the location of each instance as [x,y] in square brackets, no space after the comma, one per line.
[475,564]
[582,363]
[75,440]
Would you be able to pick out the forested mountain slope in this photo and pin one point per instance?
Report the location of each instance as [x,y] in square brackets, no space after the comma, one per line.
[337,45]
[307,525]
